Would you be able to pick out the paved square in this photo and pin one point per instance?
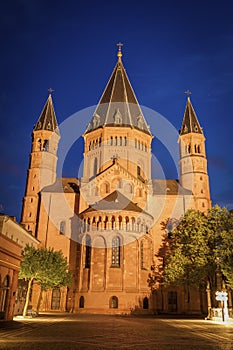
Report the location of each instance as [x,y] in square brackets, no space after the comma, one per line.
[81,331]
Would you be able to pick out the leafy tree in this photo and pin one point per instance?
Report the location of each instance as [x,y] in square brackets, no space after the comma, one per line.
[47,267]
[192,250]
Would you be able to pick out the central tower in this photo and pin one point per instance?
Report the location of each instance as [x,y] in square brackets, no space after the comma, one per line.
[118,130]
[116,243]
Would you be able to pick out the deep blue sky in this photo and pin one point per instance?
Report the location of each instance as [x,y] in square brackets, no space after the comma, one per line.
[169,47]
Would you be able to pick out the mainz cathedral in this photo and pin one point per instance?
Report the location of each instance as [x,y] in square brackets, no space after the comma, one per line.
[108,221]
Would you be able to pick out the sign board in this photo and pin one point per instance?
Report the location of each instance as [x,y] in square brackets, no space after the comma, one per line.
[221,296]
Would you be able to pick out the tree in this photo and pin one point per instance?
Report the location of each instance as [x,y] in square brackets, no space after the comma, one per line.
[47,267]
[195,247]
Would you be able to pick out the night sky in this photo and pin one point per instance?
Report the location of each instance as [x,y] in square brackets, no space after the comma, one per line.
[169,47]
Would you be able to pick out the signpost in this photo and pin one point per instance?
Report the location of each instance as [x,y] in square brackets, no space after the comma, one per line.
[222,296]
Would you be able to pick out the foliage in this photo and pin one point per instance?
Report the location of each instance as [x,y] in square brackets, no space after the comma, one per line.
[47,267]
[191,257]
[192,250]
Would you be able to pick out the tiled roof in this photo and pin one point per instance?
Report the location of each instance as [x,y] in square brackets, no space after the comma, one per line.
[190,122]
[168,187]
[114,201]
[66,185]
[118,105]
[47,119]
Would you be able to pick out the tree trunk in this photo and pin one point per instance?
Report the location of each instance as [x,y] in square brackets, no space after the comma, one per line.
[27,297]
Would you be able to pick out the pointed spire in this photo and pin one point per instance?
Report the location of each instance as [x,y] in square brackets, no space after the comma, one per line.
[118,104]
[190,122]
[47,119]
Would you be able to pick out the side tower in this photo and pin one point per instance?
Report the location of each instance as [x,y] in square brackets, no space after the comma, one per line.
[42,164]
[193,161]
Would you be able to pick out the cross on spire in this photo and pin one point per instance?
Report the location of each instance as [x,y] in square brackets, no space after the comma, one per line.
[119,54]
[50,90]
[188,93]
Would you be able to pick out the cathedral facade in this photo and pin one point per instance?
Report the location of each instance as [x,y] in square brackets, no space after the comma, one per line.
[108,222]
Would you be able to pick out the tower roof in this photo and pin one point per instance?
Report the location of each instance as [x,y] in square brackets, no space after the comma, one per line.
[118,105]
[47,119]
[190,122]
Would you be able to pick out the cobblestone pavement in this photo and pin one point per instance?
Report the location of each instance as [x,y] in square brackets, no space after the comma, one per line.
[82,331]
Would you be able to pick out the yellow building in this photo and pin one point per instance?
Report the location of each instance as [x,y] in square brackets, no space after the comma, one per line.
[110,225]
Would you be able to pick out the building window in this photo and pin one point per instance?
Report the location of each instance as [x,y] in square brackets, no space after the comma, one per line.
[145,303]
[172,301]
[95,167]
[138,171]
[113,303]
[115,252]
[45,145]
[62,227]
[88,252]
[142,255]
[81,302]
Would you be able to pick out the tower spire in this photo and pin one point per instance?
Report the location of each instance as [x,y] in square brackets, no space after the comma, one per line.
[190,123]
[47,119]
[118,104]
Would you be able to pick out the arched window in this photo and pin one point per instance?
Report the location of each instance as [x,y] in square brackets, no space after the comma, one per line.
[88,252]
[81,302]
[136,143]
[145,303]
[62,227]
[95,167]
[125,140]
[111,141]
[115,252]
[120,222]
[113,222]
[45,145]
[113,302]
[138,171]
[116,140]
[142,255]
[105,222]
[120,140]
